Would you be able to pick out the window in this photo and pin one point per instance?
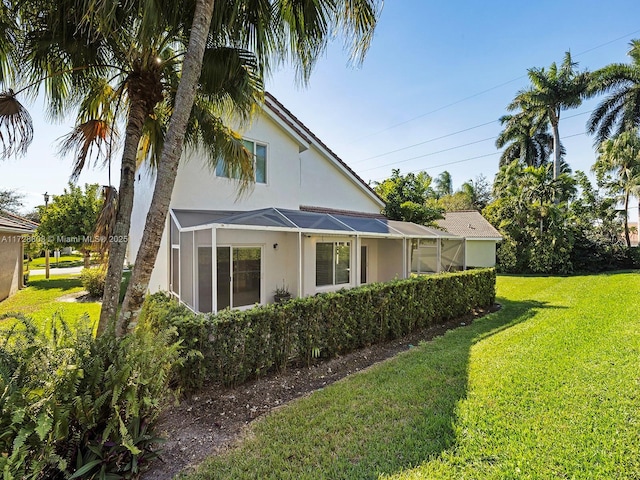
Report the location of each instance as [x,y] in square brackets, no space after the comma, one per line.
[259,153]
[333,263]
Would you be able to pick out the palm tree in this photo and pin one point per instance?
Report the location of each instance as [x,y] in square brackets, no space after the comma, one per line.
[443,184]
[620,110]
[551,92]
[132,73]
[526,138]
[298,31]
[618,168]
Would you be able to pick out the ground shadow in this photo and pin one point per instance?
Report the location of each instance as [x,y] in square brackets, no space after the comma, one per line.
[383,421]
[62,284]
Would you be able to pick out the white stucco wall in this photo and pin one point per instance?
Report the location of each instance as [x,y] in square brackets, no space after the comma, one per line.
[481,253]
[294,178]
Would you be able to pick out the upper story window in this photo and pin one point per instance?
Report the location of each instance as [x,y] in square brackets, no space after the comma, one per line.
[259,152]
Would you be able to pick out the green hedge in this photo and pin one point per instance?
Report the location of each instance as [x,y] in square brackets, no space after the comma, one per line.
[233,346]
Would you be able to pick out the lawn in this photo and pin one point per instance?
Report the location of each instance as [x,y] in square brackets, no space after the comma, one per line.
[42,299]
[62,262]
[548,387]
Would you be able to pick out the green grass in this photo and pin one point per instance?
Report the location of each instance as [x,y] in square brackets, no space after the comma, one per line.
[40,300]
[548,387]
[63,262]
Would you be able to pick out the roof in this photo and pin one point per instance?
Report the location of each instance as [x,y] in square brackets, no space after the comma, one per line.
[14,223]
[469,224]
[301,129]
[305,222]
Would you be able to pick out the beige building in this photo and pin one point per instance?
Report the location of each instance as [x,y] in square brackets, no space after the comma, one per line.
[12,231]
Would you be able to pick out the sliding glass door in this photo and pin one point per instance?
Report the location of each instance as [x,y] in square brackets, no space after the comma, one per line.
[239,276]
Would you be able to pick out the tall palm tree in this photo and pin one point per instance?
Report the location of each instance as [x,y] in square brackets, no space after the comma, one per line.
[551,92]
[620,110]
[297,31]
[618,168]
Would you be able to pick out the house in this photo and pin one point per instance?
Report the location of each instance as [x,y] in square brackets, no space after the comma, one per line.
[480,236]
[12,231]
[310,225]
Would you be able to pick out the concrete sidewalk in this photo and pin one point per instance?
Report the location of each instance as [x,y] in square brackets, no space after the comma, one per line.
[56,271]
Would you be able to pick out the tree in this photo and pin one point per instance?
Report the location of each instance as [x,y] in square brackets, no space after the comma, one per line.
[551,92]
[620,110]
[526,138]
[407,198]
[443,185]
[530,210]
[70,219]
[10,201]
[299,32]
[124,63]
[618,169]
[477,191]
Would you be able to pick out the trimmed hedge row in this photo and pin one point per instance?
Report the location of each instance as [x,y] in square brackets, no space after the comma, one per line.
[233,346]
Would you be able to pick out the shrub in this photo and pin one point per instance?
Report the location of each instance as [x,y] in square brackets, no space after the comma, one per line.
[72,406]
[93,280]
[234,346]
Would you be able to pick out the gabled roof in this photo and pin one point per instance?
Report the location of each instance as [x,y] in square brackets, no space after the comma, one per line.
[303,131]
[469,224]
[16,224]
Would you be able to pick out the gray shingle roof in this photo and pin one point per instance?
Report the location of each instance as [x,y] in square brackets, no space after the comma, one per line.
[468,224]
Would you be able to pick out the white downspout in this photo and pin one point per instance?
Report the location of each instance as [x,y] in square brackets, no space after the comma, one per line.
[214,269]
[299,264]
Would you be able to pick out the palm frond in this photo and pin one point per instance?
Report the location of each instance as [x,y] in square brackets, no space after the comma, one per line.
[16,126]
[89,140]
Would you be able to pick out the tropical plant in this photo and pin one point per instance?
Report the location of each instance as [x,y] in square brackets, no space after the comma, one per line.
[443,185]
[75,406]
[551,92]
[620,110]
[617,168]
[526,138]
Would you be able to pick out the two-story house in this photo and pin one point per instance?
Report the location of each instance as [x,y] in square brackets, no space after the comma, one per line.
[310,224]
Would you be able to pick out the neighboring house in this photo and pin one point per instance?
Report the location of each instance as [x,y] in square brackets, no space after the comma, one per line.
[12,231]
[633,233]
[480,236]
[310,224]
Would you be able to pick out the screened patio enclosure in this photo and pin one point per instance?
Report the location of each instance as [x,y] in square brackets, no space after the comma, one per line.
[228,259]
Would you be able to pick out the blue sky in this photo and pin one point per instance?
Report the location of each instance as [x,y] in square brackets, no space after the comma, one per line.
[434,69]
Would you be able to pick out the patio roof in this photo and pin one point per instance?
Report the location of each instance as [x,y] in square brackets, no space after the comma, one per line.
[305,222]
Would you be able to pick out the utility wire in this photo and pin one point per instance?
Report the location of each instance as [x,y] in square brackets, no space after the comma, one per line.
[485,91]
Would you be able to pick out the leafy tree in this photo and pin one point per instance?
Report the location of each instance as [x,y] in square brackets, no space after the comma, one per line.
[10,201]
[618,169]
[551,92]
[443,185]
[407,198]
[620,110]
[70,219]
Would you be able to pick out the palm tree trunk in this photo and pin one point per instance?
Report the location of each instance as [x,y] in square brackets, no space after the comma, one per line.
[167,167]
[118,247]
[626,218]
[556,149]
